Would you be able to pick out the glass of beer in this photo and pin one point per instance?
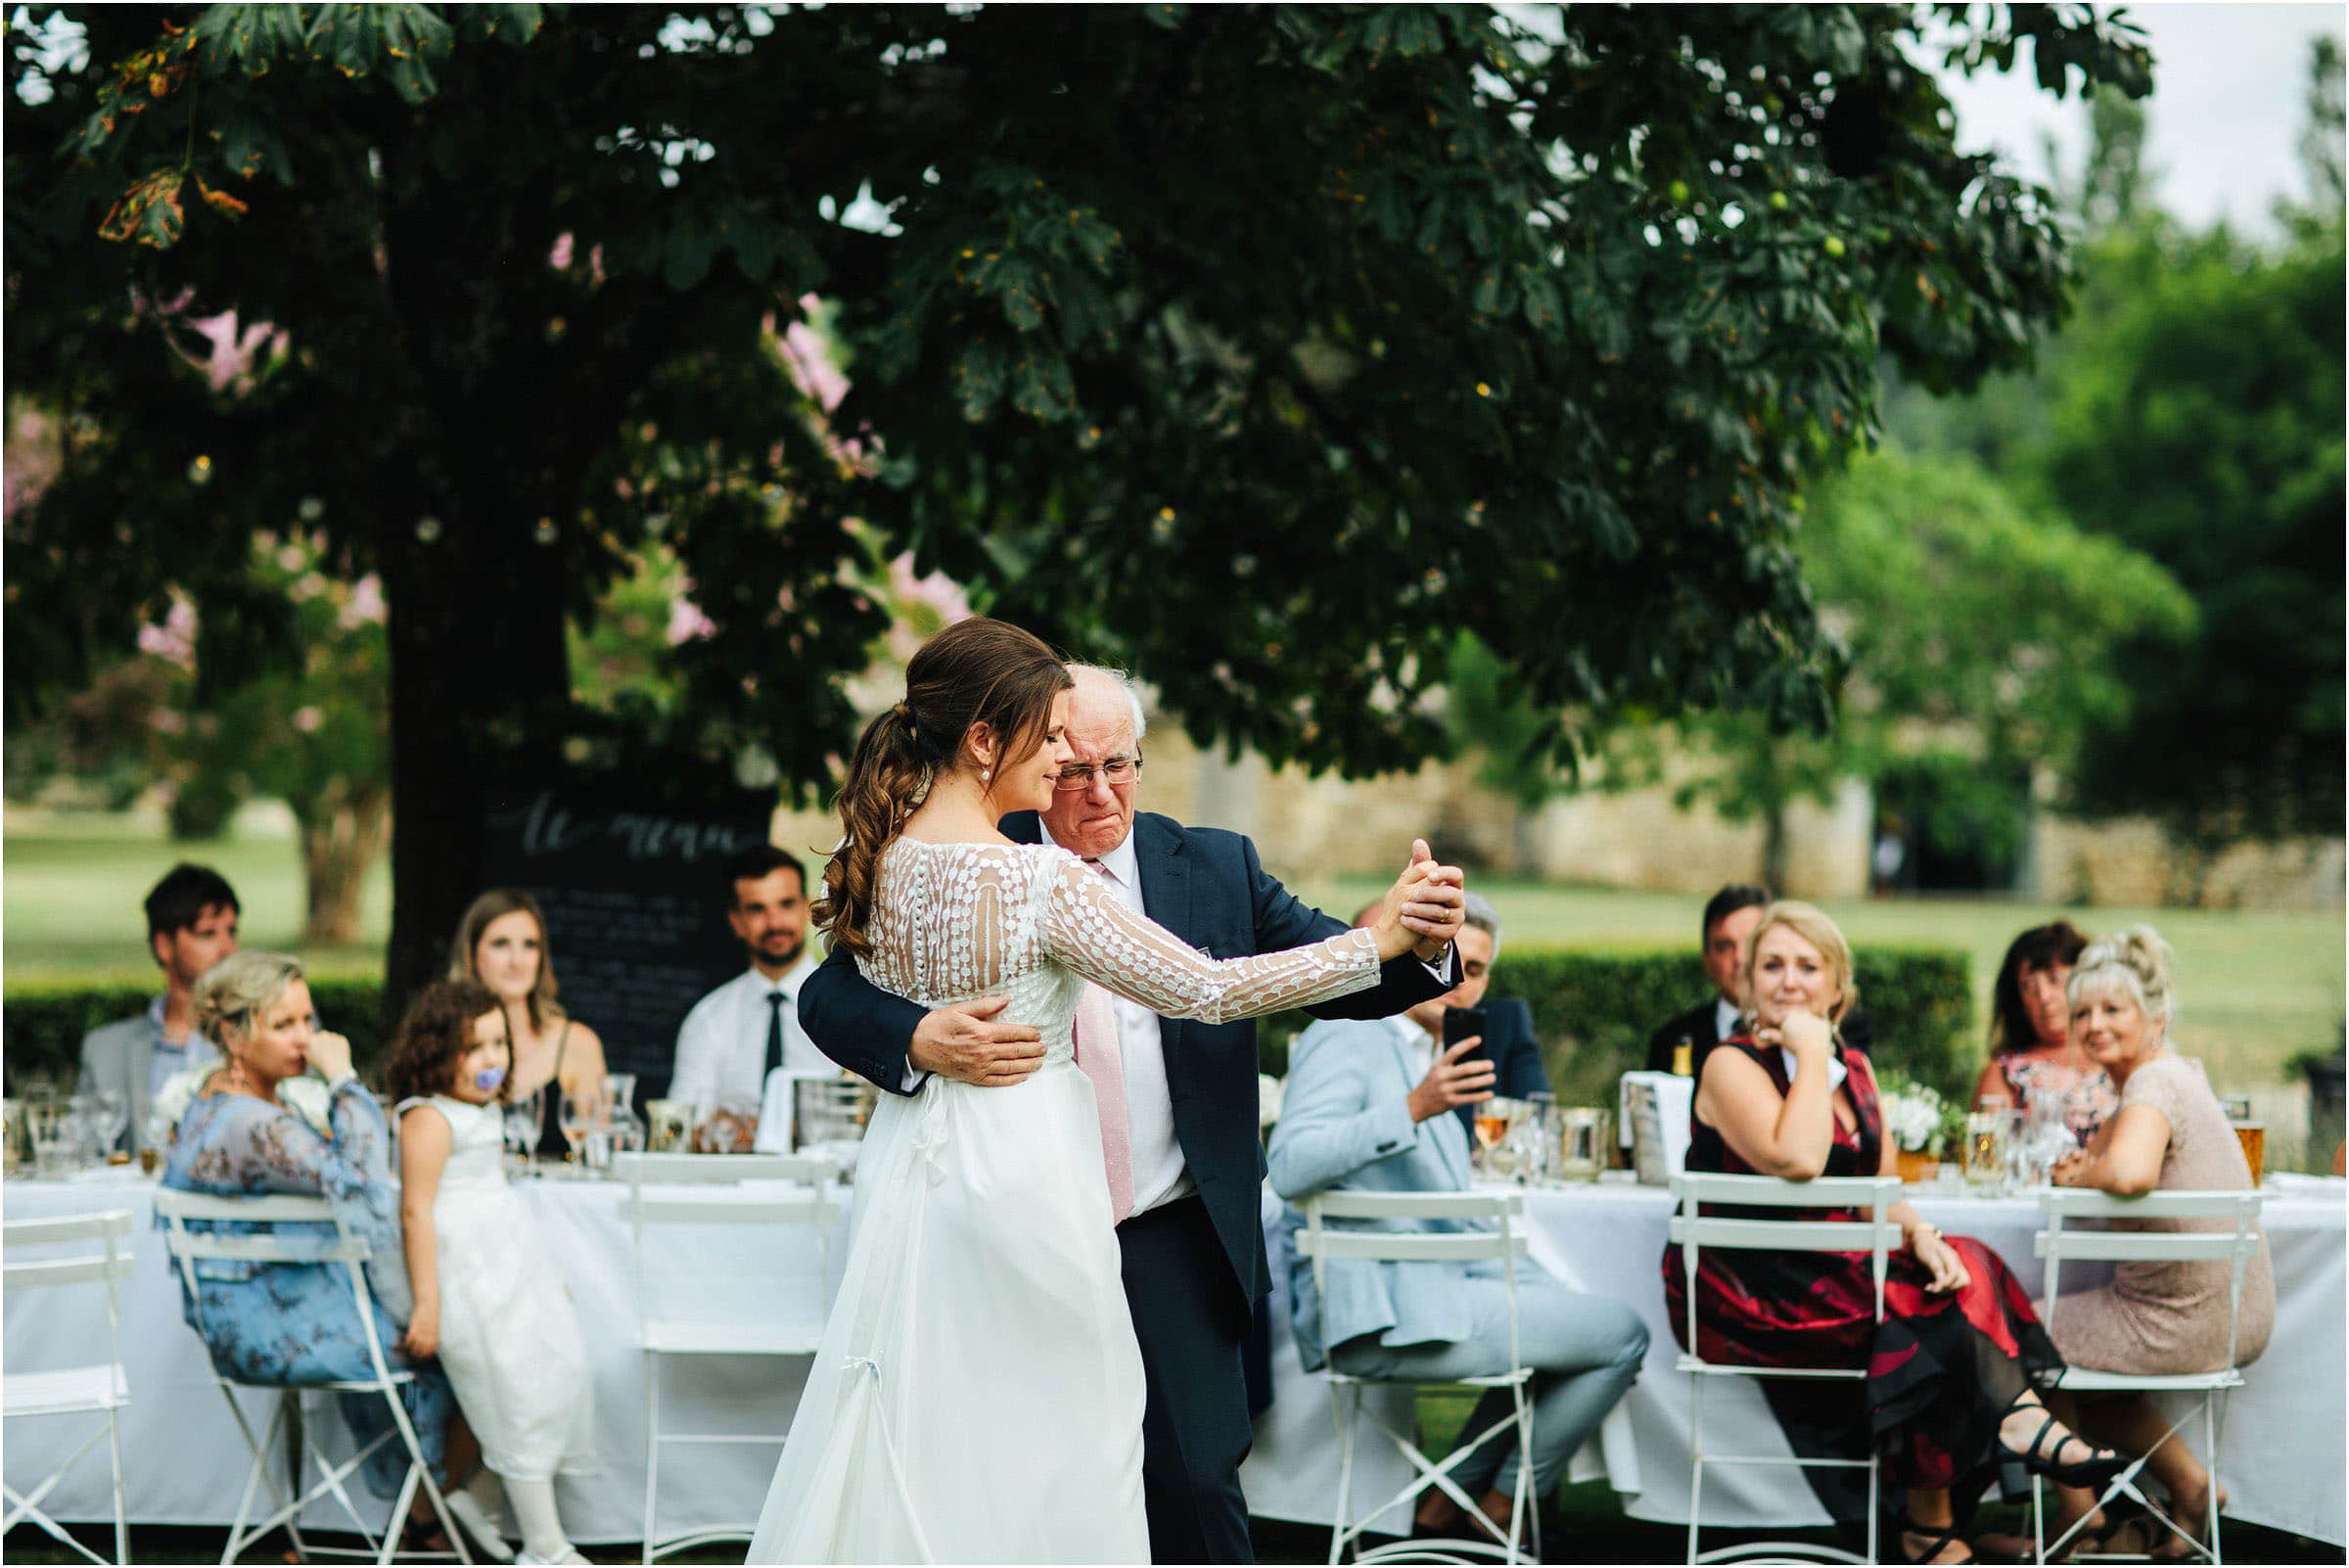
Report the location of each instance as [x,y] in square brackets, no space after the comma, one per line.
[2253,1136]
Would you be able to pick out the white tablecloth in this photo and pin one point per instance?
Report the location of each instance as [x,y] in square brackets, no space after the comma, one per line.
[184,1463]
[2287,1434]
[2286,1438]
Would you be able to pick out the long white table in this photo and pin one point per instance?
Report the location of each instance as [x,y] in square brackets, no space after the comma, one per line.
[2287,1434]
[184,1463]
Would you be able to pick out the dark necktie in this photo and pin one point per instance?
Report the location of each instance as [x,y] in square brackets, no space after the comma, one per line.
[774,1034]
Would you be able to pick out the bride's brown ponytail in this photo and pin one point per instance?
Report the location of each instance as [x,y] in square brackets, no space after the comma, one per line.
[976,672]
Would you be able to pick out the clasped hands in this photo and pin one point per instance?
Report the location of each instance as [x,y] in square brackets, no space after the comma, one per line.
[1421,913]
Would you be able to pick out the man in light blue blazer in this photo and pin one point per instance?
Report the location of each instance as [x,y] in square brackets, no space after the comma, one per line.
[1368,1108]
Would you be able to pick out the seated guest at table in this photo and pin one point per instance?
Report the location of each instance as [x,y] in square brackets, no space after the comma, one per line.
[2170,1134]
[750,1025]
[2031,1056]
[1367,1108]
[191,926]
[1507,1039]
[1955,1370]
[295,1325]
[483,1281]
[501,943]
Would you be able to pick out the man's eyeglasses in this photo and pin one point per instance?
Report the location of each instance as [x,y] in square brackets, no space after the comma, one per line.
[1117,772]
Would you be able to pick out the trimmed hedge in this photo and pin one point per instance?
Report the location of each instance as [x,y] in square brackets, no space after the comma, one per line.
[1594,1011]
[41,1027]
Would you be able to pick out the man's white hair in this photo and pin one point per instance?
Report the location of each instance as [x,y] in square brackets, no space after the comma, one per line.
[1124,683]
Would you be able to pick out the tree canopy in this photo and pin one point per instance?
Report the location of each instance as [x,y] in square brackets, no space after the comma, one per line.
[1266,349]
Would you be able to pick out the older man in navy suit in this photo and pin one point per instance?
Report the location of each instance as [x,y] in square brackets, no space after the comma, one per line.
[1193,1243]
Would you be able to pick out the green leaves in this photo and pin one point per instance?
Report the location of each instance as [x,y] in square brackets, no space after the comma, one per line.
[150,212]
[406,43]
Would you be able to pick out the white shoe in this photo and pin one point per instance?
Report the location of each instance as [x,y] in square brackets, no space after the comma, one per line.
[467,1510]
[569,1555]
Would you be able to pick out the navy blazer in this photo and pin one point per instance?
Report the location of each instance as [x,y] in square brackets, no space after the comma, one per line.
[1208,888]
[1518,1071]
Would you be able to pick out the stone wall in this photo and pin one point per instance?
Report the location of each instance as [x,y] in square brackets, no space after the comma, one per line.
[1638,839]
[2132,862]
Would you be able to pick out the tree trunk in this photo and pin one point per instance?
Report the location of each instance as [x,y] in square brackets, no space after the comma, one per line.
[1773,848]
[342,834]
[480,683]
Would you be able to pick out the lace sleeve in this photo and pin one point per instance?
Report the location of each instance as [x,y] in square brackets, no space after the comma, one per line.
[1085,927]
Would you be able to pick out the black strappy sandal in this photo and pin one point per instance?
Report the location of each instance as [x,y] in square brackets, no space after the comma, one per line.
[1937,1540]
[2092,1474]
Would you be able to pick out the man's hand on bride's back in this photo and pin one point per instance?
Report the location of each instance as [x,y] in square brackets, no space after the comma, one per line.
[964,1041]
[1422,911]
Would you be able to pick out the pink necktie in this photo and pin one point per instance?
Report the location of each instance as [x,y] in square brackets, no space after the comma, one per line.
[1100,1059]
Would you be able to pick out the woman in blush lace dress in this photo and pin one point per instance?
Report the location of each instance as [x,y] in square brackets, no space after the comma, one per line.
[978,1394]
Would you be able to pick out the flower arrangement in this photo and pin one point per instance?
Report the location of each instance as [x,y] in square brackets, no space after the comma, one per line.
[1915,1116]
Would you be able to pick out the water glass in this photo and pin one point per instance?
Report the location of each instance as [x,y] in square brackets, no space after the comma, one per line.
[1983,1153]
[523,1116]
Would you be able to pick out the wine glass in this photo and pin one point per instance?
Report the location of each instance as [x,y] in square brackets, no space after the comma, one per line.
[110,1120]
[581,1114]
[523,1116]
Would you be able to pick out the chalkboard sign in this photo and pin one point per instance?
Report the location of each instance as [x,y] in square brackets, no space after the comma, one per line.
[635,905]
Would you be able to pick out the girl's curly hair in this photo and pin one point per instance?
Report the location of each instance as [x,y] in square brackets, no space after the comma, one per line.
[434,1037]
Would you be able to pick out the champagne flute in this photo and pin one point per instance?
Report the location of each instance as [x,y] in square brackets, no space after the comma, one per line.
[521,1120]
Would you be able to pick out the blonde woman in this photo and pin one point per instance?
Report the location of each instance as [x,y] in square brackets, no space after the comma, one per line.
[1956,1369]
[2170,1134]
[501,943]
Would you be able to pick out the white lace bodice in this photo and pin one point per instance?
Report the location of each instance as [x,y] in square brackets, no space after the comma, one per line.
[1031,922]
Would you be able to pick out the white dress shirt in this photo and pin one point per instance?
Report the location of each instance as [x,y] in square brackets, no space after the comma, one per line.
[722,1046]
[1726,1016]
[1159,1176]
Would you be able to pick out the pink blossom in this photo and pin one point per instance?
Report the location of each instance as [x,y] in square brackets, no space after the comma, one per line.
[304,588]
[291,558]
[366,607]
[168,721]
[811,363]
[175,638]
[687,624]
[938,591]
[233,351]
[559,257]
[307,719]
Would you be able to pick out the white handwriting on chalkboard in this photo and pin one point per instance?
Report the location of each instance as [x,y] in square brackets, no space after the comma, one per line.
[549,829]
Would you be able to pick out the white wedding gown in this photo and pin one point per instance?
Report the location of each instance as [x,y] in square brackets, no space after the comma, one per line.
[977,1393]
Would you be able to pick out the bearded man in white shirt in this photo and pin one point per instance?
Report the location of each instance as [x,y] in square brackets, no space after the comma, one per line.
[750,1025]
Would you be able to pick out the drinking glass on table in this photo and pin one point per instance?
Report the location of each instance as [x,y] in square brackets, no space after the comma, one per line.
[109,1118]
[1983,1153]
[522,1118]
[582,1113]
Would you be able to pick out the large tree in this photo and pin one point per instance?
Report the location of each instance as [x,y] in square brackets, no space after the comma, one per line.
[1266,347]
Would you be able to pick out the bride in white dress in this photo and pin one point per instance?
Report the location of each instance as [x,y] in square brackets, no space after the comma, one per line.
[978,1394]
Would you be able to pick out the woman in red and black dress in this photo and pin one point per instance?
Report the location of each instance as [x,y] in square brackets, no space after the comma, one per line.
[1956,1369]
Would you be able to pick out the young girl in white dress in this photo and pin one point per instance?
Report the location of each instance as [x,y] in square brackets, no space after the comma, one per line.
[489,1298]
[978,1394]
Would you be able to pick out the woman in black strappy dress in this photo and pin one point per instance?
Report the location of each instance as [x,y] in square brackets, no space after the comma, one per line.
[501,943]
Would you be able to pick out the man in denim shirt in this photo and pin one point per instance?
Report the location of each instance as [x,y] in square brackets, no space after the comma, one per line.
[191,926]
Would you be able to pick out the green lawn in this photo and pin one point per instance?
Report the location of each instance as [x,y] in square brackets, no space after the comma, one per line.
[2257,986]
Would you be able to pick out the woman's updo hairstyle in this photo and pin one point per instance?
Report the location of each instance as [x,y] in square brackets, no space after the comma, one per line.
[2137,962]
[976,672]
[238,987]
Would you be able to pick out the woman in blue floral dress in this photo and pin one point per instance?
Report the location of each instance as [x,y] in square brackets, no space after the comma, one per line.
[295,1325]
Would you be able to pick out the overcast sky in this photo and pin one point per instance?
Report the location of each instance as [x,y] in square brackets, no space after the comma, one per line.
[2229,83]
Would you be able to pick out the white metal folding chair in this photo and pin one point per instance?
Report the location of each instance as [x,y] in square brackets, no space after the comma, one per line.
[1505,1241]
[813,1198]
[2235,1241]
[71,1390]
[1696,1230]
[348,1253]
